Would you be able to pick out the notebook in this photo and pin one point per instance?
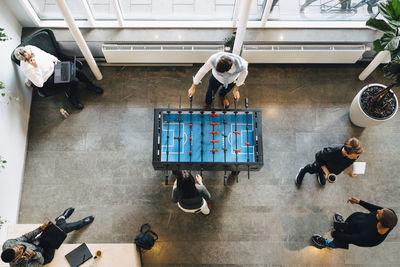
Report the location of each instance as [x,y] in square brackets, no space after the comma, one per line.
[64,72]
[53,236]
[79,255]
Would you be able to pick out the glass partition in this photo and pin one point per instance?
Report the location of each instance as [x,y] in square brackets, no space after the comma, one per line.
[323,10]
[48,9]
[102,9]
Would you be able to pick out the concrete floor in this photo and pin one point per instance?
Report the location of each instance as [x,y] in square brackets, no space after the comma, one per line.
[99,161]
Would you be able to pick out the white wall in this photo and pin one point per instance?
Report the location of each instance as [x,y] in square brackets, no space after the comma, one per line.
[14,118]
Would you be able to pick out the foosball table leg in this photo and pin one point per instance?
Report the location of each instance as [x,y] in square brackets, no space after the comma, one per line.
[166,178]
[225,179]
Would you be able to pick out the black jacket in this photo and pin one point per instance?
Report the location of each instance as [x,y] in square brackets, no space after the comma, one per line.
[333,159]
[361,229]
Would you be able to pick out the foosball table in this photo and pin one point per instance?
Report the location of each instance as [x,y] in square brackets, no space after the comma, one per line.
[210,140]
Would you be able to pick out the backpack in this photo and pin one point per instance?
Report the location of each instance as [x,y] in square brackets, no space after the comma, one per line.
[146,238]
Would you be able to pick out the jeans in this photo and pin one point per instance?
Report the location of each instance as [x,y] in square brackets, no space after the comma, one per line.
[213,87]
[69,227]
[50,88]
[330,243]
[314,168]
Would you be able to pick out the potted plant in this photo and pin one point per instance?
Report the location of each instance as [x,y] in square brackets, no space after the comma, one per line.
[377,103]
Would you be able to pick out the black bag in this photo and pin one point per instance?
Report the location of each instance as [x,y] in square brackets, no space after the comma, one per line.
[146,238]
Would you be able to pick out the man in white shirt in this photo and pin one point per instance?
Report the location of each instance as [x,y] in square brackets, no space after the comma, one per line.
[228,70]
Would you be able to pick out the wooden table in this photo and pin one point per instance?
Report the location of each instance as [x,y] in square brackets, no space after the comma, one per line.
[112,254]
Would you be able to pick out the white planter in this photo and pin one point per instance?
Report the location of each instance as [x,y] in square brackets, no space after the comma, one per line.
[359,117]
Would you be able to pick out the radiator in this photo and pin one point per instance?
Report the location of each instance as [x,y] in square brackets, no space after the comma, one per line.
[122,53]
[303,53]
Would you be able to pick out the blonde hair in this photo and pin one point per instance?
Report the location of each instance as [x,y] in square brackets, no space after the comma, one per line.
[21,53]
[353,146]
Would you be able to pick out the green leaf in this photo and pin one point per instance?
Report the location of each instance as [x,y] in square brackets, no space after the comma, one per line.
[4,161]
[378,46]
[393,44]
[396,7]
[3,94]
[380,25]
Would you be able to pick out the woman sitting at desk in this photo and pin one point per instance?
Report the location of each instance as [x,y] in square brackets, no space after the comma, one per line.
[38,67]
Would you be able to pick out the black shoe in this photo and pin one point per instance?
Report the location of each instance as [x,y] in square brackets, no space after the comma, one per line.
[94,88]
[87,220]
[75,102]
[338,218]
[299,177]
[319,241]
[67,213]
[321,179]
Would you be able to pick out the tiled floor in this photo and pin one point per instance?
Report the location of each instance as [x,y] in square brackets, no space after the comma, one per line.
[99,161]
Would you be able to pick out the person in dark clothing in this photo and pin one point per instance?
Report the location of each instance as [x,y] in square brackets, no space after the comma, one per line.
[332,160]
[190,196]
[31,250]
[361,229]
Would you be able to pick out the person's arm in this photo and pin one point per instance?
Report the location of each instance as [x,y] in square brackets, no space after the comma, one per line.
[29,237]
[202,71]
[39,52]
[34,75]
[242,76]
[203,192]
[369,206]
[322,157]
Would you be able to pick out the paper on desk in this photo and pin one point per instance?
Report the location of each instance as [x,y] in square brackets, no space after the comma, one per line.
[359,167]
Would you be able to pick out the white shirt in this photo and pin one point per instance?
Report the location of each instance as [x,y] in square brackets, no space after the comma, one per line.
[45,66]
[208,66]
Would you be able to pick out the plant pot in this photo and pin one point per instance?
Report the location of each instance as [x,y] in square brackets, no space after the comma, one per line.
[357,115]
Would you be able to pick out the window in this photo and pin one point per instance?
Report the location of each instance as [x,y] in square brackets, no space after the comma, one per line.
[48,9]
[323,9]
[102,9]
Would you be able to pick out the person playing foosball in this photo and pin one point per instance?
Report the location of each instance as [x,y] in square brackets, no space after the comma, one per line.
[190,196]
[228,70]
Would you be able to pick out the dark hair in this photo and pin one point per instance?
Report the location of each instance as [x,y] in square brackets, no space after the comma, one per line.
[388,219]
[353,146]
[8,255]
[224,64]
[187,184]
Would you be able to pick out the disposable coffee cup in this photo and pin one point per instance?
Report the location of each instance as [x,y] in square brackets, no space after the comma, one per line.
[331,178]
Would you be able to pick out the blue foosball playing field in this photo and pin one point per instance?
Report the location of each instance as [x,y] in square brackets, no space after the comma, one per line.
[197,139]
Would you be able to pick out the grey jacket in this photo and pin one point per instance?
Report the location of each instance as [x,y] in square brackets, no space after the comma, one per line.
[29,241]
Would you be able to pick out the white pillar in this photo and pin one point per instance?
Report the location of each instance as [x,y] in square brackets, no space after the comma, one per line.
[88,12]
[76,33]
[241,29]
[267,11]
[119,13]
[381,57]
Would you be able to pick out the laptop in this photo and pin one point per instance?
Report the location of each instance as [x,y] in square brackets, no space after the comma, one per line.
[79,255]
[53,236]
[65,71]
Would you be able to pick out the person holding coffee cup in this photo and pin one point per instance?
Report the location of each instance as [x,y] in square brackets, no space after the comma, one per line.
[331,161]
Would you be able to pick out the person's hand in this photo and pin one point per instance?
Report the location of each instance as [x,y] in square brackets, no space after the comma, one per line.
[175,184]
[353,200]
[28,254]
[199,179]
[325,170]
[352,175]
[236,94]
[45,225]
[191,90]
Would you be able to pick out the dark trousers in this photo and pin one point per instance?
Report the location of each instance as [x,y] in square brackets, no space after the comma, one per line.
[313,168]
[213,87]
[48,254]
[50,88]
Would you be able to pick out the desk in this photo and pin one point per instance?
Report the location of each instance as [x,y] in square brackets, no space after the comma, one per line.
[125,254]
